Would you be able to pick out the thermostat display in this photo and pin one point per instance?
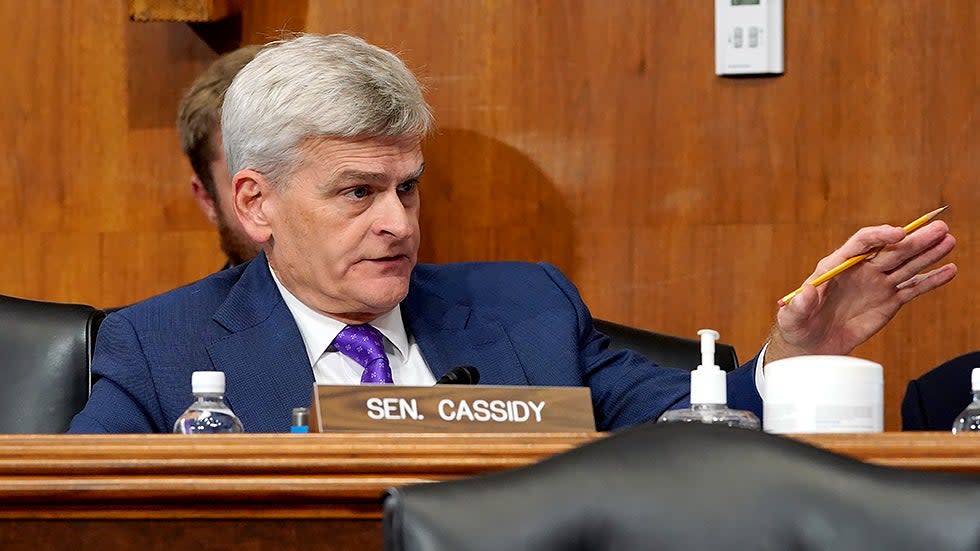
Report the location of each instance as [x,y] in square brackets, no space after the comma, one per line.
[748,37]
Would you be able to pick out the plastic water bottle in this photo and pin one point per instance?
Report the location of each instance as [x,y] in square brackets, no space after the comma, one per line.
[709,394]
[969,419]
[209,413]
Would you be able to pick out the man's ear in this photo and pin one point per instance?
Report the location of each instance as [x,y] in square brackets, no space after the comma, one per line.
[253,200]
[204,201]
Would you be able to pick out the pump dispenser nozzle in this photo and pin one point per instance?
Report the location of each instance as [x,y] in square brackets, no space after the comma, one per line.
[708,381]
[708,338]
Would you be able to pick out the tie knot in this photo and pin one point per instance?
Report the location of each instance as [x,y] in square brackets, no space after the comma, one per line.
[365,345]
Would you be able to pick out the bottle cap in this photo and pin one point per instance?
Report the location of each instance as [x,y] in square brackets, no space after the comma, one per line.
[975,379]
[301,416]
[709,384]
[208,382]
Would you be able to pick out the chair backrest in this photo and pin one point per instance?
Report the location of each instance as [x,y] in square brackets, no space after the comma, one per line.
[45,356]
[933,401]
[689,486]
[664,350]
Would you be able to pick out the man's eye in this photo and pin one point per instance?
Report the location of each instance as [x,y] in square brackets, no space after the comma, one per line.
[359,192]
[408,187]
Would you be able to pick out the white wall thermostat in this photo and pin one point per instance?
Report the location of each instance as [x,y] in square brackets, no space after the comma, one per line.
[748,37]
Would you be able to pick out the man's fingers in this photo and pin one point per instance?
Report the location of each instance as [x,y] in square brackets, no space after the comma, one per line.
[923,283]
[924,242]
[865,240]
[923,260]
[803,303]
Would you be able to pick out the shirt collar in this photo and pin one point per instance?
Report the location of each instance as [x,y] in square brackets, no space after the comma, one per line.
[319,330]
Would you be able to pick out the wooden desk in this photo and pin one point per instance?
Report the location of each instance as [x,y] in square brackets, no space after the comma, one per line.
[148,492]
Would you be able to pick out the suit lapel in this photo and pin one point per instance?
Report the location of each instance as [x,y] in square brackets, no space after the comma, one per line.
[452,334]
[261,353]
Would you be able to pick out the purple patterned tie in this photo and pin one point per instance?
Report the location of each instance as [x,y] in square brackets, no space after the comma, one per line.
[363,344]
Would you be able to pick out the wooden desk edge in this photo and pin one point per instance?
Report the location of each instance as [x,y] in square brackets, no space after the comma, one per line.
[326,475]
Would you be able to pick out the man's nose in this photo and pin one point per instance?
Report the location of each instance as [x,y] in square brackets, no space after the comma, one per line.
[393,218]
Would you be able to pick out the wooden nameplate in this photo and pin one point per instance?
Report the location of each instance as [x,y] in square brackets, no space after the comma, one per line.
[451,408]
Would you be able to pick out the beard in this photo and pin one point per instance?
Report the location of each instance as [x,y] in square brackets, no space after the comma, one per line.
[237,246]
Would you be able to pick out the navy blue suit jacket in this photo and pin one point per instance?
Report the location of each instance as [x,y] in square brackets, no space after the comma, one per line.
[518,323]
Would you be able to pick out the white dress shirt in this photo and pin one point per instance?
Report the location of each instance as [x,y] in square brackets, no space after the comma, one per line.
[330,367]
[760,372]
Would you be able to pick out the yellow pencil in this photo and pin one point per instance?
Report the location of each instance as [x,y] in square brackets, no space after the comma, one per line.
[824,278]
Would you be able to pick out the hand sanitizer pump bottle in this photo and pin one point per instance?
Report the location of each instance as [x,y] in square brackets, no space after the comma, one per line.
[709,394]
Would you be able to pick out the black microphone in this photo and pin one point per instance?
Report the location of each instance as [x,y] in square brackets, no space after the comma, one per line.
[460,375]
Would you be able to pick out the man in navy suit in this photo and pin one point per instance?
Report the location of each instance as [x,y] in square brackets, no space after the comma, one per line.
[322,135]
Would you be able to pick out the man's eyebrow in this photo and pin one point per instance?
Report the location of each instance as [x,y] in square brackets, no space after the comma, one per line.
[417,174]
[361,175]
[368,176]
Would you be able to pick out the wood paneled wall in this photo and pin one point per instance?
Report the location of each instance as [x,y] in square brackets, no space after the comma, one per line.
[590,134]
[95,201]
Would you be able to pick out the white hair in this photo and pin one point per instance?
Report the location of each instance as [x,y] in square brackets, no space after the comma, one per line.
[317,86]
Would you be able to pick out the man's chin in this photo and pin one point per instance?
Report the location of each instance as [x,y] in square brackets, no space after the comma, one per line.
[385,293]
[235,244]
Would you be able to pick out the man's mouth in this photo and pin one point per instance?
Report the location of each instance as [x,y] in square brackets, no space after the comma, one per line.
[392,261]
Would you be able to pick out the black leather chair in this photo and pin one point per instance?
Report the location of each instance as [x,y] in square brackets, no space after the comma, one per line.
[45,356]
[683,487]
[664,350]
[933,401]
